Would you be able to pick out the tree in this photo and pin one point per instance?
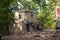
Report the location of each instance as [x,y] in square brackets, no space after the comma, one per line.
[47,16]
[5,16]
[45,10]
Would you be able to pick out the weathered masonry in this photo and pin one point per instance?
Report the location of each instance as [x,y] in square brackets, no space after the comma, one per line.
[23,21]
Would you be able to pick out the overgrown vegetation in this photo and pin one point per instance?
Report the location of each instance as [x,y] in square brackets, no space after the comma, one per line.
[44,8]
[6,16]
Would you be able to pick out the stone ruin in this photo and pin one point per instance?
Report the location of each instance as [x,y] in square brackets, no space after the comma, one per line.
[25,21]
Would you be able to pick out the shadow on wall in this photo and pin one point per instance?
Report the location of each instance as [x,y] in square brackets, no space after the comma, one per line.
[34,26]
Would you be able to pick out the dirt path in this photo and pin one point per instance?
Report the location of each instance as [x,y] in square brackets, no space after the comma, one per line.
[34,36]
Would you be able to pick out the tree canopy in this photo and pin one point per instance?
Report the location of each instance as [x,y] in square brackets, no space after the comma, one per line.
[5,16]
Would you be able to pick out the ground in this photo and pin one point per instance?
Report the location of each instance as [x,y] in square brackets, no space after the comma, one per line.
[44,35]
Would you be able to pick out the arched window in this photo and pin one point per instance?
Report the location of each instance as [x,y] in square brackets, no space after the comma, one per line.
[31,15]
[19,16]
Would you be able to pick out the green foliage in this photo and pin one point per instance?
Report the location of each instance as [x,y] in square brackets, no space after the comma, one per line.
[6,16]
[47,15]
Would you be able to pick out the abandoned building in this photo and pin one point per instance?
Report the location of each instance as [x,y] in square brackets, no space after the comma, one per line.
[25,21]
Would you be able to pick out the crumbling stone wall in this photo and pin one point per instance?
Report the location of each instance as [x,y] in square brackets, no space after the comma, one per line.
[21,18]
